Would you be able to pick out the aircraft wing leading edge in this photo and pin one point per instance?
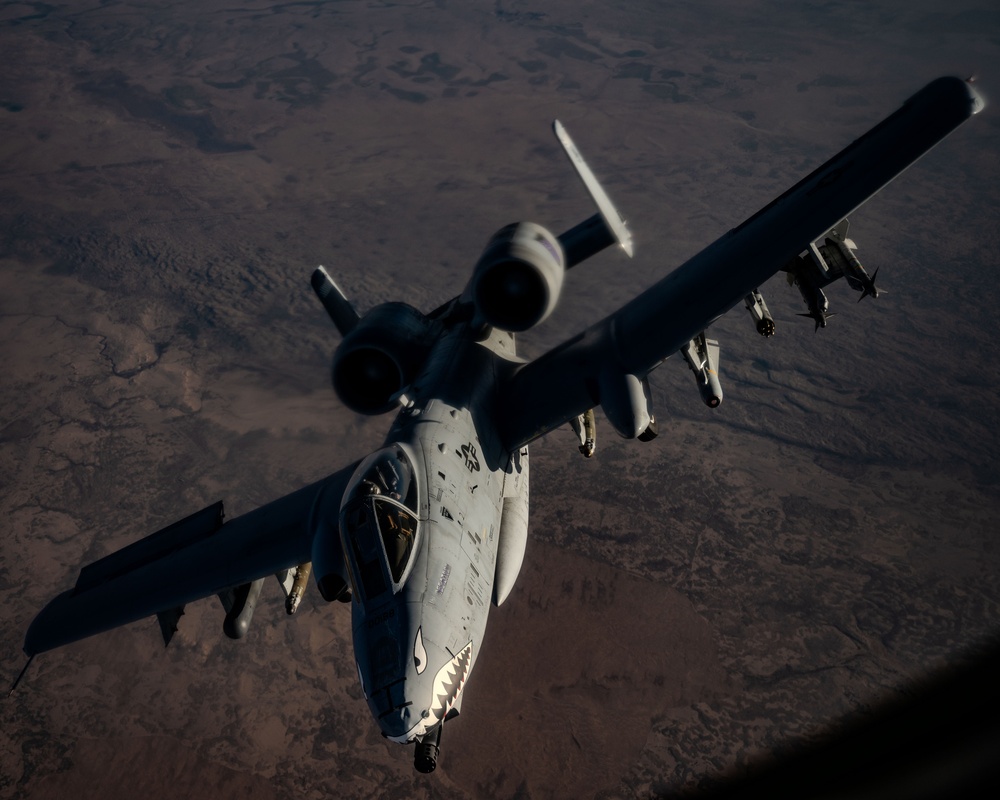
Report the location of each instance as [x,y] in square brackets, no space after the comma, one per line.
[568,380]
[195,558]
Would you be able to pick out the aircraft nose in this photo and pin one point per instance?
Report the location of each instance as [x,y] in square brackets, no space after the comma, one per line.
[423,699]
[405,724]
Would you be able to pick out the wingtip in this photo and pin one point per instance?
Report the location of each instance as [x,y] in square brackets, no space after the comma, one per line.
[976,98]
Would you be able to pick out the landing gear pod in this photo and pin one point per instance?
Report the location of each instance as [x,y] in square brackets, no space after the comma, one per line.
[651,432]
[626,403]
[240,604]
[328,566]
[513,535]
[331,582]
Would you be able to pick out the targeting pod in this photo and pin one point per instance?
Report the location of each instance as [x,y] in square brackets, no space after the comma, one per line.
[702,355]
[762,318]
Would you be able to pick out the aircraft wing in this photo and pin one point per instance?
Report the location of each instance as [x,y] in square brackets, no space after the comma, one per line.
[191,559]
[607,363]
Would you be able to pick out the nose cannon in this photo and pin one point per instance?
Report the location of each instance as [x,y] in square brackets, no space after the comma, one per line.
[425,757]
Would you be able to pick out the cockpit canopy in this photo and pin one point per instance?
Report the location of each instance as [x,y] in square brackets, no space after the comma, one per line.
[386,473]
[378,521]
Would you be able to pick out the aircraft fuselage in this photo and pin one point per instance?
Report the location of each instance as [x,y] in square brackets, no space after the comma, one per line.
[419,620]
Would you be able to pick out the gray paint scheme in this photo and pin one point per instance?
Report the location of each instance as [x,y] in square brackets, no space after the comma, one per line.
[635,339]
[463,428]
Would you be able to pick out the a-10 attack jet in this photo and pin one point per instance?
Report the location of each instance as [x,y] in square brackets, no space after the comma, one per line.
[423,535]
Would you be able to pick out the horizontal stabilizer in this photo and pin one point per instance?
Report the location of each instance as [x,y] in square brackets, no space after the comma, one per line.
[601,230]
[334,301]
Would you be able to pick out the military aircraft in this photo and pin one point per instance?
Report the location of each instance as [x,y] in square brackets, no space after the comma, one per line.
[425,534]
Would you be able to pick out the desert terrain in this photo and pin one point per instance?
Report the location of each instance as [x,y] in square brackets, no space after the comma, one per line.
[169,177]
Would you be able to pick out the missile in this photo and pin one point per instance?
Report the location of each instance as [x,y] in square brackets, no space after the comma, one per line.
[839,250]
[816,301]
[702,355]
[762,318]
[805,272]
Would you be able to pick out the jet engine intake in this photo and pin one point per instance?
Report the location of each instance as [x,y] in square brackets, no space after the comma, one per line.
[380,357]
[518,279]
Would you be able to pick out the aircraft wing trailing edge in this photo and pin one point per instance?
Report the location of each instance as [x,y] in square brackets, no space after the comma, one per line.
[197,557]
[607,364]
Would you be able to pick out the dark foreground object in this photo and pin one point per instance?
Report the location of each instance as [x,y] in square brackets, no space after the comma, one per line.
[941,740]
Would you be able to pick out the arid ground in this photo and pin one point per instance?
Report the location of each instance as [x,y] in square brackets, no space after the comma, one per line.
[170,174]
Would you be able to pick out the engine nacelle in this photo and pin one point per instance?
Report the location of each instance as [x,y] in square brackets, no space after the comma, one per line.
[380,357]
[518,279]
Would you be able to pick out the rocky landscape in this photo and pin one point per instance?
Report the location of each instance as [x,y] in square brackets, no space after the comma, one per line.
[170,175]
